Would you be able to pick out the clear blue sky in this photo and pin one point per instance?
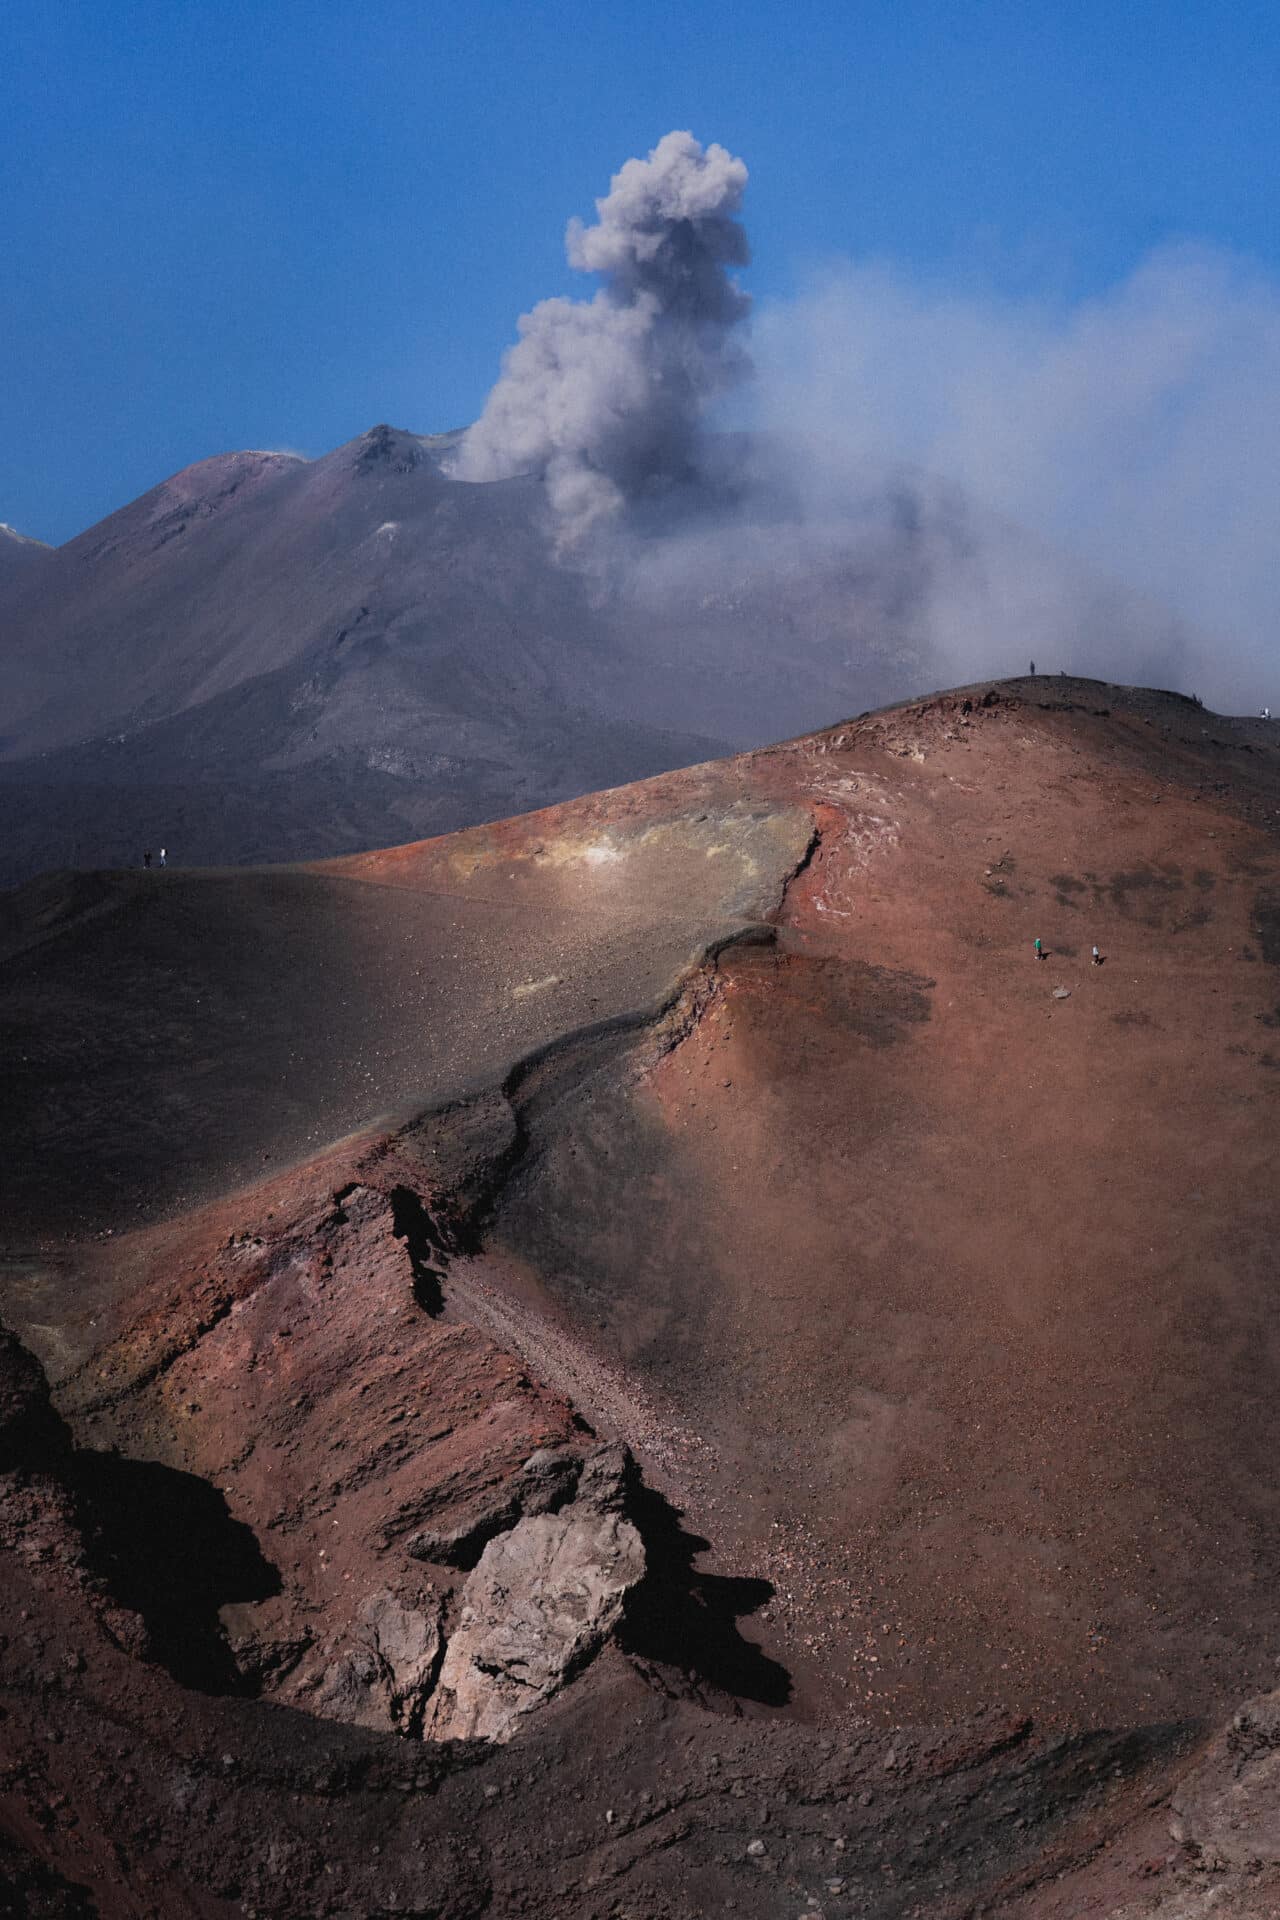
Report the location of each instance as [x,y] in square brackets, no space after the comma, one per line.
[268,223]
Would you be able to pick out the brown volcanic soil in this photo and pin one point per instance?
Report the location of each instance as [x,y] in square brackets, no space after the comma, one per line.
[970,1290]
[167,1033]
[942,1308]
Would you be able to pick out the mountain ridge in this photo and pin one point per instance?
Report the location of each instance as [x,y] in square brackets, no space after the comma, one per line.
[267,657]
[703,1189]
[392,640]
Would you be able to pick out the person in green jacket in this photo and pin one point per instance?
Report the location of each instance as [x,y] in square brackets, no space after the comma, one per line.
[1039,951]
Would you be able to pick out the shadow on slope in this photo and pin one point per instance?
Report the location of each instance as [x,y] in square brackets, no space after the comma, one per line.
[679,1617]
[166,1547]
[161,1542]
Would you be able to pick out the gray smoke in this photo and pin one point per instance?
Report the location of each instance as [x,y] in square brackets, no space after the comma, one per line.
[1117,454]
[937,483]
[605,397]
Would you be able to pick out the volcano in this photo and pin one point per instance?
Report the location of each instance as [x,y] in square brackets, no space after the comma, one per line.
[270,658]
[21,559]
[661,1353]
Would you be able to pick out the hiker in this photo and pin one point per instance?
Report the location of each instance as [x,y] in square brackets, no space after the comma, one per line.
[1266,713]
[1039,951]
[146,860]
[162,853]
[1033,669]
[1097,958]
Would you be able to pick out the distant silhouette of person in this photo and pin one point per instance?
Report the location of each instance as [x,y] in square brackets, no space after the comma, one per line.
[1097,958]
[1039,951]
[1033,667]
[162,854]
[1266,713]
[146,859]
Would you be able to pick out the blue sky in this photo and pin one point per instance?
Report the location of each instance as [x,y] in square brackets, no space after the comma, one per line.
[273,224]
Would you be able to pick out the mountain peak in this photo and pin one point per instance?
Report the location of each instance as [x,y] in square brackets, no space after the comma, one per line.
[20,539]
[390,449]
[387,449]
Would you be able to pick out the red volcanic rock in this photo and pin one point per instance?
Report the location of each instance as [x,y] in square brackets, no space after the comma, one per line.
[306,1370]
[728,1118]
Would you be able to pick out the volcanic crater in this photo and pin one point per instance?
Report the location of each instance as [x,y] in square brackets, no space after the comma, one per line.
[658,1355]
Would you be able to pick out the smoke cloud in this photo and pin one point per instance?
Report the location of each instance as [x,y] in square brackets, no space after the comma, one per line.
[1117,456]
[605,397]
[934,484]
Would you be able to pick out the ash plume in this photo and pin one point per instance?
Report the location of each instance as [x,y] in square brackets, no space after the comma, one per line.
[932,482]
[605,397]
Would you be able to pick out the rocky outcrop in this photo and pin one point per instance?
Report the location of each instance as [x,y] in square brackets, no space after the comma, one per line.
[538,1606]
[1224,1821]
[547,1479]
[1228,1810]
[381,1674]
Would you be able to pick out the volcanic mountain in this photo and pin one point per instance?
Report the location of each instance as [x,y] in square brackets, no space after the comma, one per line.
[21,559]
[658,1354]
[269,657]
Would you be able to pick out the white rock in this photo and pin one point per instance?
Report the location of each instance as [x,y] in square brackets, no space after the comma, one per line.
[537,1606]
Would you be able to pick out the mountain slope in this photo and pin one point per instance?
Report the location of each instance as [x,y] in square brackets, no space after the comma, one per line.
[22,560]
[268,657]
[271,657]
[244,564]
[362,1214]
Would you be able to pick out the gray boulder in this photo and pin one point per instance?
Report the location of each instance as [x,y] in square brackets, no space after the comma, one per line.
[537,1607]
[382,1673]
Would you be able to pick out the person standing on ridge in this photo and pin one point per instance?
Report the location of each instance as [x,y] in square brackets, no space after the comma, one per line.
[146,860]
[162,854]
